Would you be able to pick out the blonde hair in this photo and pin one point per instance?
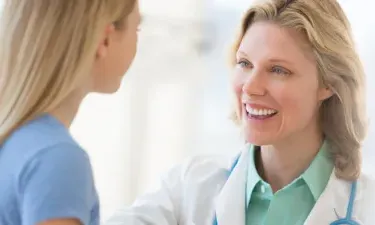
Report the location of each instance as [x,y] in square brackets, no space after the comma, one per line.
[327,30]
[46,50]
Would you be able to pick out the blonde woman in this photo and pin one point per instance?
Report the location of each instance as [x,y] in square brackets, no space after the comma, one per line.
[52,54]
[299,87]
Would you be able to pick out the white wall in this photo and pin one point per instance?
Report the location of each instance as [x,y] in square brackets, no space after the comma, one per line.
[360,14]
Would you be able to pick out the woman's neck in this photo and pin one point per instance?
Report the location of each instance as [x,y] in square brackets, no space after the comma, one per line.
[67,110]
[280,164]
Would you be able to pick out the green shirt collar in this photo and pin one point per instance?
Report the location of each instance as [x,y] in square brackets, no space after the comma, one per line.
[316,176]
[253,177]
[319,171]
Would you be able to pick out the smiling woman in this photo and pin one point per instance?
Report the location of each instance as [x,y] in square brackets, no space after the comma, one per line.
[299,87]
[270,73]
[299,83]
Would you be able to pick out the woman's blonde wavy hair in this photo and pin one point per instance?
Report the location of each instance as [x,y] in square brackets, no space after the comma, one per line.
[327,30]
[47,49]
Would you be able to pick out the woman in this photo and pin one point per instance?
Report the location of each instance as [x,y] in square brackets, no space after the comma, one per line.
[52,54]
[299,88]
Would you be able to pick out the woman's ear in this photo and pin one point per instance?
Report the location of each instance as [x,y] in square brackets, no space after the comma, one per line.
[105,41]
[325,93]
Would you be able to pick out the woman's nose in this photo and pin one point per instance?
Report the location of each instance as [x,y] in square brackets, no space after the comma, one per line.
[254,84]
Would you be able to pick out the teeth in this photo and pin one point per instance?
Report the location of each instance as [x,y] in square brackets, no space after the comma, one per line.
[259,112]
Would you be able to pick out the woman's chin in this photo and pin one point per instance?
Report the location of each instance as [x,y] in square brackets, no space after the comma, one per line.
[259,139]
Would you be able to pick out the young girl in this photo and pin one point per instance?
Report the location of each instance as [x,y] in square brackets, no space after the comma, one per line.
[52,54]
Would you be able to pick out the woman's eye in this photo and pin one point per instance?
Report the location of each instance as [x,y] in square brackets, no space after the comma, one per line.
[243,63]
[280,71]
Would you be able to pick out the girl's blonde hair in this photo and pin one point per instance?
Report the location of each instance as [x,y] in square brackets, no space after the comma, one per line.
[47,48]
[327,30]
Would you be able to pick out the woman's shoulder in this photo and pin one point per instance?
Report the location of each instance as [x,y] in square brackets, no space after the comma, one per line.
[206,164]
[43,165]
[40,146]
[43,130]
[366,181]
[201,168]
[37,137]
[213,167]
[365,198]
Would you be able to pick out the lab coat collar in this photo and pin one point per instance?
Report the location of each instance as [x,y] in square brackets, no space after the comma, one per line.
[333,202]
[230,204]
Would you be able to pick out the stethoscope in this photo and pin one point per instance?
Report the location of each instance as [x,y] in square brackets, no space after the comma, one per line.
[347,220]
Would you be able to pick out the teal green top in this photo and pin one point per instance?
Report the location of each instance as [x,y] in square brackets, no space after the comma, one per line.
[292,204]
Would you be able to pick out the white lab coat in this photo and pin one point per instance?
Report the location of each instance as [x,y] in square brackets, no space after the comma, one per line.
[190,194]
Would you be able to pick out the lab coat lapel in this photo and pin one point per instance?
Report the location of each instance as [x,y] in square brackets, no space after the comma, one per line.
[230,204]
[332,204]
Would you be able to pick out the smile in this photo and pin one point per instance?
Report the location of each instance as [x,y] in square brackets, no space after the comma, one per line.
[259,113]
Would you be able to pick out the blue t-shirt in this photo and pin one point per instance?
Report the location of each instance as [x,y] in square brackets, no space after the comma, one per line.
[44,174]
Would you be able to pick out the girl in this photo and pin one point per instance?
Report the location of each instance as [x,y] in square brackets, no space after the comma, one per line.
[52,54]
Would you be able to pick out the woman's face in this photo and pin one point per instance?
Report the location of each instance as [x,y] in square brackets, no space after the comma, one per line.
[116,53]
[276,85]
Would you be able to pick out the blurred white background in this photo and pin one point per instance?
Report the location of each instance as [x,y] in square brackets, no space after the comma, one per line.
[175,101]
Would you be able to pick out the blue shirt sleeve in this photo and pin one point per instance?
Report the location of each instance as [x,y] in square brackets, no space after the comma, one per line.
[56,183]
